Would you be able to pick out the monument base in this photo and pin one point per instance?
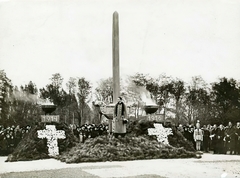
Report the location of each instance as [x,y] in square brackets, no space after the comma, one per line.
[33,148]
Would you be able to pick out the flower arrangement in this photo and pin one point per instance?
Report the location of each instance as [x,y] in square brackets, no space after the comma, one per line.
[92,130]
[140,127]
[51,134]
[137,144]
[161,133]
[33,148]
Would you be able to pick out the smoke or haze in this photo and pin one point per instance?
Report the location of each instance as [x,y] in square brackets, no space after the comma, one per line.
[146,97]
[26,97]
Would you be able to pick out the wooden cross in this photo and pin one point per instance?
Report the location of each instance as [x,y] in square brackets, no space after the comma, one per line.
[51,134]
[161,133]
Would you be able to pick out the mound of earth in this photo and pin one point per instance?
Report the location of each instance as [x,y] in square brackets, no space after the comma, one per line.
[130,147]
[33,148]
[137,144]
[140,127]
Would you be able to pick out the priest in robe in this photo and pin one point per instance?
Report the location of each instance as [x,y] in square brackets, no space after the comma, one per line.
[120,118]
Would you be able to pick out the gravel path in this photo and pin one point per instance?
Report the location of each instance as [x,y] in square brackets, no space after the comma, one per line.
[208,166]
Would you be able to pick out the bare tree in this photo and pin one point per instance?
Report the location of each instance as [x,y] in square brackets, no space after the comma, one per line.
[83,91]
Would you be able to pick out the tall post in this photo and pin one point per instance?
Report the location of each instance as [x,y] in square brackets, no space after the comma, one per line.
[115,56]
[115,62]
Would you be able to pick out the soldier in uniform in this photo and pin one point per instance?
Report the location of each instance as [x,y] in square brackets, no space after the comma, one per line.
[198,136]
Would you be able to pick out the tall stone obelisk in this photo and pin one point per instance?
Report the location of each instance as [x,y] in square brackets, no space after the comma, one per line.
[115,57]
[115,64]
[118,126]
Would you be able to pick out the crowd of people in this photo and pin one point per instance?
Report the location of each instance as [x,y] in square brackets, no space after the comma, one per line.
[217,138]
[10,137]
[89,131]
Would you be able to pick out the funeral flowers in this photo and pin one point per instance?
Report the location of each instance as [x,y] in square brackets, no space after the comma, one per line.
[161,133]
[51,134]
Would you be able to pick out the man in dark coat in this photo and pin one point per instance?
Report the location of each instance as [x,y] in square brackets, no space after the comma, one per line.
[185,132]
[213,137]
[190,132]
[206,139]
[229,138]
[237,139]
[220,142]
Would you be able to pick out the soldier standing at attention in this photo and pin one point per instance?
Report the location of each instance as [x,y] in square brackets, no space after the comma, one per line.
[198,136]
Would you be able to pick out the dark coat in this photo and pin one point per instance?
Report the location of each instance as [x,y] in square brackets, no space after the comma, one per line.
[230,131]
[124,109]
[220,134]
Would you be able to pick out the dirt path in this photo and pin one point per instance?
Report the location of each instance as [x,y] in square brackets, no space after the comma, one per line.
[208,166]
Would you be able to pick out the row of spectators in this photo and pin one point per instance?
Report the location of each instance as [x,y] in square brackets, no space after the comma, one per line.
[89,131]
[217,138]
[10,137]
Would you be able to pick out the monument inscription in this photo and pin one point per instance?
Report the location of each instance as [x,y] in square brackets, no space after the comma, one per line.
[50,118]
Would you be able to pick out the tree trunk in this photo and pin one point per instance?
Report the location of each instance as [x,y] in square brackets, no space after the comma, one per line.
[177,115]
[79,118]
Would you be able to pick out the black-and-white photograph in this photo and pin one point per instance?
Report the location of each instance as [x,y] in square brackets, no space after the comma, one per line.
[119,88]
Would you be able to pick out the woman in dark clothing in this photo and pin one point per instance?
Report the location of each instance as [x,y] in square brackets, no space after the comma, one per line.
[214,138]
[220,142]
[206,139]
[229,138]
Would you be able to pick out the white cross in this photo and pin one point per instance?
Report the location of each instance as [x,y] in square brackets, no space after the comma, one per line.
[51,134]
[161,133]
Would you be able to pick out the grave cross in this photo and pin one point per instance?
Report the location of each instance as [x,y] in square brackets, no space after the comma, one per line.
[51,134]
[161,133]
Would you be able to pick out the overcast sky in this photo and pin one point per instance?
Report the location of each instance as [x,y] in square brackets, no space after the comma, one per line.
[182,38]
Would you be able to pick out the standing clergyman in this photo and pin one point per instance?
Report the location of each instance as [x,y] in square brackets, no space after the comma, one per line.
[120,114]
